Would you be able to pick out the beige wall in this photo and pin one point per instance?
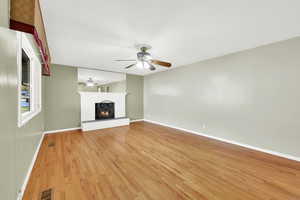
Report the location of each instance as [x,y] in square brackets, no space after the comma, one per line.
[4,13]
[62,104]
[119,86]
[135,97]
[251,97]
[17,145]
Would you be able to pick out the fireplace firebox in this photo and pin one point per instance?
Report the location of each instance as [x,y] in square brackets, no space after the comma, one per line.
[104,110]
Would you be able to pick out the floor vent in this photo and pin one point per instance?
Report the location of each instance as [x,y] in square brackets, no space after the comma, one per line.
[51,144]
[47,194]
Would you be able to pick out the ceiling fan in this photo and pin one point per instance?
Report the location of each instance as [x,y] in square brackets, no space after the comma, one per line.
[144,59]
[88,83]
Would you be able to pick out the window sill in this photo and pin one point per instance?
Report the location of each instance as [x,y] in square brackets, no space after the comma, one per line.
[26,117]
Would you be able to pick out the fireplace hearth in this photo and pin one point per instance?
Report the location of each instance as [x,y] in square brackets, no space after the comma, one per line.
[104,110]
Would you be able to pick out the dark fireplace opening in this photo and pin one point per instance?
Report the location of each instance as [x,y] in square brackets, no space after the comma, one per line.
[105,110]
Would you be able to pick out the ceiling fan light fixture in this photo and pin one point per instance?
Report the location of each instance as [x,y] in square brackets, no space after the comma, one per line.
[145,60]
[140,65]
[147,57]
[146,65]
[90,83]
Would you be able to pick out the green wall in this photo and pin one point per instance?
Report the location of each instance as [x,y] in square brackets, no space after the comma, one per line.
[119,86]
[8,103]
[4,13]
[83,88]
[17,145]
[135,97]
[250,97]
[62,104]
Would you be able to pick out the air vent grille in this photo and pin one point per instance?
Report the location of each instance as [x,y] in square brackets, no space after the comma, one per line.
[47,194]
[51,144]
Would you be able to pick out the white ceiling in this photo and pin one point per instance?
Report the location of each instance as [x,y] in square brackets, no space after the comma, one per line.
[93,33]
[99,77]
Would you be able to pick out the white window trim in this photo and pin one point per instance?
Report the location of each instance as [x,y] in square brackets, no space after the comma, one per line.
[35,80]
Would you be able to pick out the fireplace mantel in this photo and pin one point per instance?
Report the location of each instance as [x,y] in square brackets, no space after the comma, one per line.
[89,99]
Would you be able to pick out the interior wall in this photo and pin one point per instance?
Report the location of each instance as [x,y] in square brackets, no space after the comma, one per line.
[251,97]
[119,86]
[62,104]
[4,13]
[135,97]
[83,88]
[8,102]
[17,145]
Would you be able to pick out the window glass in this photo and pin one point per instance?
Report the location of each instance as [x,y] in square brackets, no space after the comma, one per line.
[25,84]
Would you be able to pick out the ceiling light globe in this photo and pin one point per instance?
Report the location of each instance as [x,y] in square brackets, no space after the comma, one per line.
[146,65]
[139,65]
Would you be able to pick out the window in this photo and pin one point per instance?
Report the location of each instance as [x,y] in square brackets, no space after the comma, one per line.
[29,81]
[25,84]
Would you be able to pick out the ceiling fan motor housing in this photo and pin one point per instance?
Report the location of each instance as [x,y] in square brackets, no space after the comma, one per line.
[143,56]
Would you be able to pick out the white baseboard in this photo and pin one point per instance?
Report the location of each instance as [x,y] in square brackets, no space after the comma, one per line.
[62,130]
[77,128]
[229,141]
[101,124]
[22,190]
[136,120]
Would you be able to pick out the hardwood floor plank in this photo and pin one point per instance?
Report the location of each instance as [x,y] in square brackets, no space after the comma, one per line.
[144,161]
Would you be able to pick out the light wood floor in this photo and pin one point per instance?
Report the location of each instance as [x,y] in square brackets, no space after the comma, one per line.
[147,161]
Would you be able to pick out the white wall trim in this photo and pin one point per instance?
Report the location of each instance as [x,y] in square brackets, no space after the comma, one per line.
[229,141]
[136,120]
[22,190]
[77,128]
[35,80]
[101,124]
[62,130]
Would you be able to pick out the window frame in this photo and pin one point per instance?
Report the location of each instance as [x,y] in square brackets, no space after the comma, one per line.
[35,80]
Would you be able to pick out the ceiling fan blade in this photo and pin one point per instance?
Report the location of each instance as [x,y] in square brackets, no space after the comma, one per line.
[125,60]
[162,63]
[129,66]
[152,68]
